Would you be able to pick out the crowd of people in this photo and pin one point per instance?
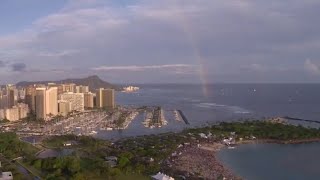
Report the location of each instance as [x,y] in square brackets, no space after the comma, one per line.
[200,162]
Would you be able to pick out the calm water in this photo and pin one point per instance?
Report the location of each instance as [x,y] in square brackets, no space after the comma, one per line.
[224,102]
[274,161]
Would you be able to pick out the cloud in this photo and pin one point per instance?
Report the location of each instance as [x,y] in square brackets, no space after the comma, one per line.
[238,39]
[2,64]
[256,67]
[79,20]
[18,67]
[144,68]
[58,54]
[311,67]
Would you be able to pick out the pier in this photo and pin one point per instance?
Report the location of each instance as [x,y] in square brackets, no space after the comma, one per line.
[183,117]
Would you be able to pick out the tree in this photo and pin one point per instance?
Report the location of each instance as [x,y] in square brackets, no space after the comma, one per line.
[123,161]
[73,165]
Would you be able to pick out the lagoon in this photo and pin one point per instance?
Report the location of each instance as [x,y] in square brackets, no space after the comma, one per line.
[273,161]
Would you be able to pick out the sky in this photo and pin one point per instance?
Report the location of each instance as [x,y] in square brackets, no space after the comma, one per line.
[161,41]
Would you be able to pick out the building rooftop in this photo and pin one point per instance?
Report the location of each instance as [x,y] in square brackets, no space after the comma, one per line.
[161,176]
[6,175]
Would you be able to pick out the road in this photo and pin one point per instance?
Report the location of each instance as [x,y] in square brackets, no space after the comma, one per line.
[18,167]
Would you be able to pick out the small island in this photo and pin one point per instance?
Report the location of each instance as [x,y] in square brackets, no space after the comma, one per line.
[190,154]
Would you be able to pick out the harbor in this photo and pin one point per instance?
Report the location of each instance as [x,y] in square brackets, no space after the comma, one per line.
[154,117]
[94,122]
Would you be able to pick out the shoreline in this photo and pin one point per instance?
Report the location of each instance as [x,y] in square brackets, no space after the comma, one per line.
[275,141]
[257,141]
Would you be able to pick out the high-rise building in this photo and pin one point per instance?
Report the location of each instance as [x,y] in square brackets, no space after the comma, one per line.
[30,98]
[105,98]
[12,114]
[63,88]
[60,89]
[22,93]
[40,103]
[68,87]
[109,97]
[23,110]
[82,89]
[2,114]
[3,101]
[75,99]
[88,100]
[11,98]
[99,98]
[17,112]
[12,95]
[52,85]
[52,101]
[64,107]
[46,102]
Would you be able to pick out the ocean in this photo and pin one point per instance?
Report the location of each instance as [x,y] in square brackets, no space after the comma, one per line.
[224,102]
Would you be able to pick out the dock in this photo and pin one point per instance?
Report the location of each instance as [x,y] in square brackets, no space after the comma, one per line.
[184,118]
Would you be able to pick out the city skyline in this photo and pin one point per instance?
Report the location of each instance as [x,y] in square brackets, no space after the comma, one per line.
[160,41]
[50,100]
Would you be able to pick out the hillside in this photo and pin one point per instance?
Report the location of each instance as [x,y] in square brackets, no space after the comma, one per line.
[94,82]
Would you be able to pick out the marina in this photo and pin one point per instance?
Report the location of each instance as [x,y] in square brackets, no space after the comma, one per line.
[91,123]
[177,115]
[154,118]
[80,124]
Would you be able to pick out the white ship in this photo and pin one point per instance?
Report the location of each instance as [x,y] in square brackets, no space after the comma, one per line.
[130,89]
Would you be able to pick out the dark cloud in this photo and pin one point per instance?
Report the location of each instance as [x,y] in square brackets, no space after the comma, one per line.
[18,67]
[2,64]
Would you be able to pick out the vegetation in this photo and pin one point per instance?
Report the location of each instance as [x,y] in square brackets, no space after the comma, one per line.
[261,130]
[72,167]
[144,155]
[11,147]
[4,121]
[139,157]
[85,142]
[91,165]
[8,166]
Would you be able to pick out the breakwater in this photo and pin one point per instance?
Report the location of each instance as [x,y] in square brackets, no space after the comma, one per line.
[298,119]
[184,118]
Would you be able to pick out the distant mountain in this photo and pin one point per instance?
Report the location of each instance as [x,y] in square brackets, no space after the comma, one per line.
[94,82]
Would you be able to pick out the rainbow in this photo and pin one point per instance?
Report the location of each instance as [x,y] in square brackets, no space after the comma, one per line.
[203,71]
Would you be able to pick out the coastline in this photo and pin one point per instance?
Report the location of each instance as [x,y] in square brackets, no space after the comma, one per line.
[258,141]
[275,141]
